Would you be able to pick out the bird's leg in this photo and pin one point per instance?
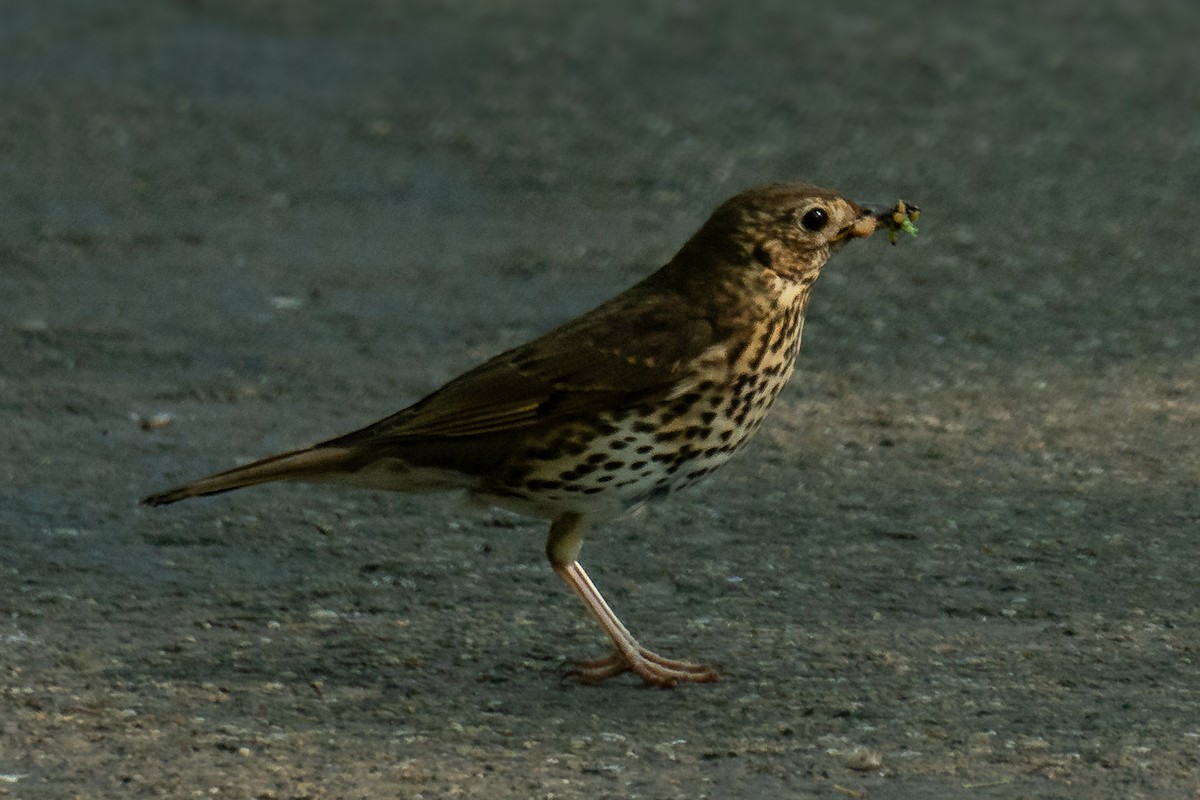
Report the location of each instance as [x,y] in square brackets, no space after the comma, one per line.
[562,548]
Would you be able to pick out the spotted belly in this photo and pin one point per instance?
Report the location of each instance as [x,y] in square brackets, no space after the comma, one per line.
[625,458]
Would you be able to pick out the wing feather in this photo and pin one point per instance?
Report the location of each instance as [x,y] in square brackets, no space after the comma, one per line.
[587,366]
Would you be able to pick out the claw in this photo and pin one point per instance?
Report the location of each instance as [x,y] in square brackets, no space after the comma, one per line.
[653,669]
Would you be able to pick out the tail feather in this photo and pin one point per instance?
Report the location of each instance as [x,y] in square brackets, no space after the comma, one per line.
[297,465]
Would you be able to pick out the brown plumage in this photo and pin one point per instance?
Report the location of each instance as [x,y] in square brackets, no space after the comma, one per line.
[645,394]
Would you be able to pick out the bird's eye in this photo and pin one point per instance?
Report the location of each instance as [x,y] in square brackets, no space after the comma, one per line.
[815,219]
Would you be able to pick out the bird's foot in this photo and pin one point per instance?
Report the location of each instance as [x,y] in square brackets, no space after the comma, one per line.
[653,669]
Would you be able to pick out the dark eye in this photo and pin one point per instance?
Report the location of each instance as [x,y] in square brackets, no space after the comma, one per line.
[815,219]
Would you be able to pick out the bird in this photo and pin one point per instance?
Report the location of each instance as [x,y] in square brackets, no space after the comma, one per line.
[642,396]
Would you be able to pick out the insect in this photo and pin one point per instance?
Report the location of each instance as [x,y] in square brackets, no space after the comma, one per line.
[899,217]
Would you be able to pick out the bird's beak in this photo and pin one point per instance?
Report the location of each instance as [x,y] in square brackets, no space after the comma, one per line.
[865,225]
[893,219]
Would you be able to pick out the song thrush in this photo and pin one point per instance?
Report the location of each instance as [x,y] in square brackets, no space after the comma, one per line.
[640,397]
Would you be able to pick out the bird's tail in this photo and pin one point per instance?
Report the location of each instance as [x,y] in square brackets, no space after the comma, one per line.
[310,464]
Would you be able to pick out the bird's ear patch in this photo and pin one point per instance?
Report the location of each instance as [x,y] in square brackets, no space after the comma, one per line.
[765,252]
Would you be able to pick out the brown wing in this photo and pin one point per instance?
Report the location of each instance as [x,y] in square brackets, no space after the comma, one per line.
[639,346]
[629,350]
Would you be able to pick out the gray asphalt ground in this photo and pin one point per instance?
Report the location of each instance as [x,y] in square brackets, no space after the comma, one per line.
[960,561]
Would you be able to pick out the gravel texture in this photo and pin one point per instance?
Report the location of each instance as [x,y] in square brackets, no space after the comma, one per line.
[960,560]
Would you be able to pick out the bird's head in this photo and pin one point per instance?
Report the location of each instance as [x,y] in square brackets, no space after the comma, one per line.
[788,228]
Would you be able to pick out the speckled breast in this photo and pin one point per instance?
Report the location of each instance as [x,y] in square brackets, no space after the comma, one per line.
[628,456]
